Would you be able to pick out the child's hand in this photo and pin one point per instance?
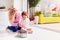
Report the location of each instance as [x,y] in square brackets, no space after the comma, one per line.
[20,25]
[29,30]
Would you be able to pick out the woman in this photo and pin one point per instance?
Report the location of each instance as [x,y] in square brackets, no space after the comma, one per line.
[14,18]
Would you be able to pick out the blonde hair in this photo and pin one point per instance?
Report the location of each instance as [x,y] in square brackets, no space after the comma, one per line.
[11,14]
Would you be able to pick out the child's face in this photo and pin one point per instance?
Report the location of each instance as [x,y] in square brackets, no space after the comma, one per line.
[24,16]
[12,11]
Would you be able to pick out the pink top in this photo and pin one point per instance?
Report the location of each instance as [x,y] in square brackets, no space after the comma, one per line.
[17,18]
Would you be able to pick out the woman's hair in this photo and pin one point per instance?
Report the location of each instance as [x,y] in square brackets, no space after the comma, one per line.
[24,13]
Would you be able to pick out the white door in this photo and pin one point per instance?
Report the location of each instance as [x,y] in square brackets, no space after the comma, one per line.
[20,5]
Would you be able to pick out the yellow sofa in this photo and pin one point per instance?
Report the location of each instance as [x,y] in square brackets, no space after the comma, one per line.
[43,19]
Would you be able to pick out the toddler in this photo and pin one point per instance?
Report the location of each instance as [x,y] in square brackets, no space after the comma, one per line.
[25,23]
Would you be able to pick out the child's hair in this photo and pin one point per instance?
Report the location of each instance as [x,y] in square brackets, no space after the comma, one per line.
[24,13]
[11,14]
[12,10]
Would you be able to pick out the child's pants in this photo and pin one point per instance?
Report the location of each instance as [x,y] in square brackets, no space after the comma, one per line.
[14,28]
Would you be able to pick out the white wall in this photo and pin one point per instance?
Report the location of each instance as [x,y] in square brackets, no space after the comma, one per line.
[24,5]
[38,7]
[20,5]
[6,3]
[4,22]
[43,5]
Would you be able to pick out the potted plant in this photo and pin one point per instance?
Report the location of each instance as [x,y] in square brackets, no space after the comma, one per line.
[36,15]
[32,4]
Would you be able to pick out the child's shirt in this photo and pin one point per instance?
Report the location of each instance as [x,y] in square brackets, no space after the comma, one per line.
[25,23]
[17,18]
